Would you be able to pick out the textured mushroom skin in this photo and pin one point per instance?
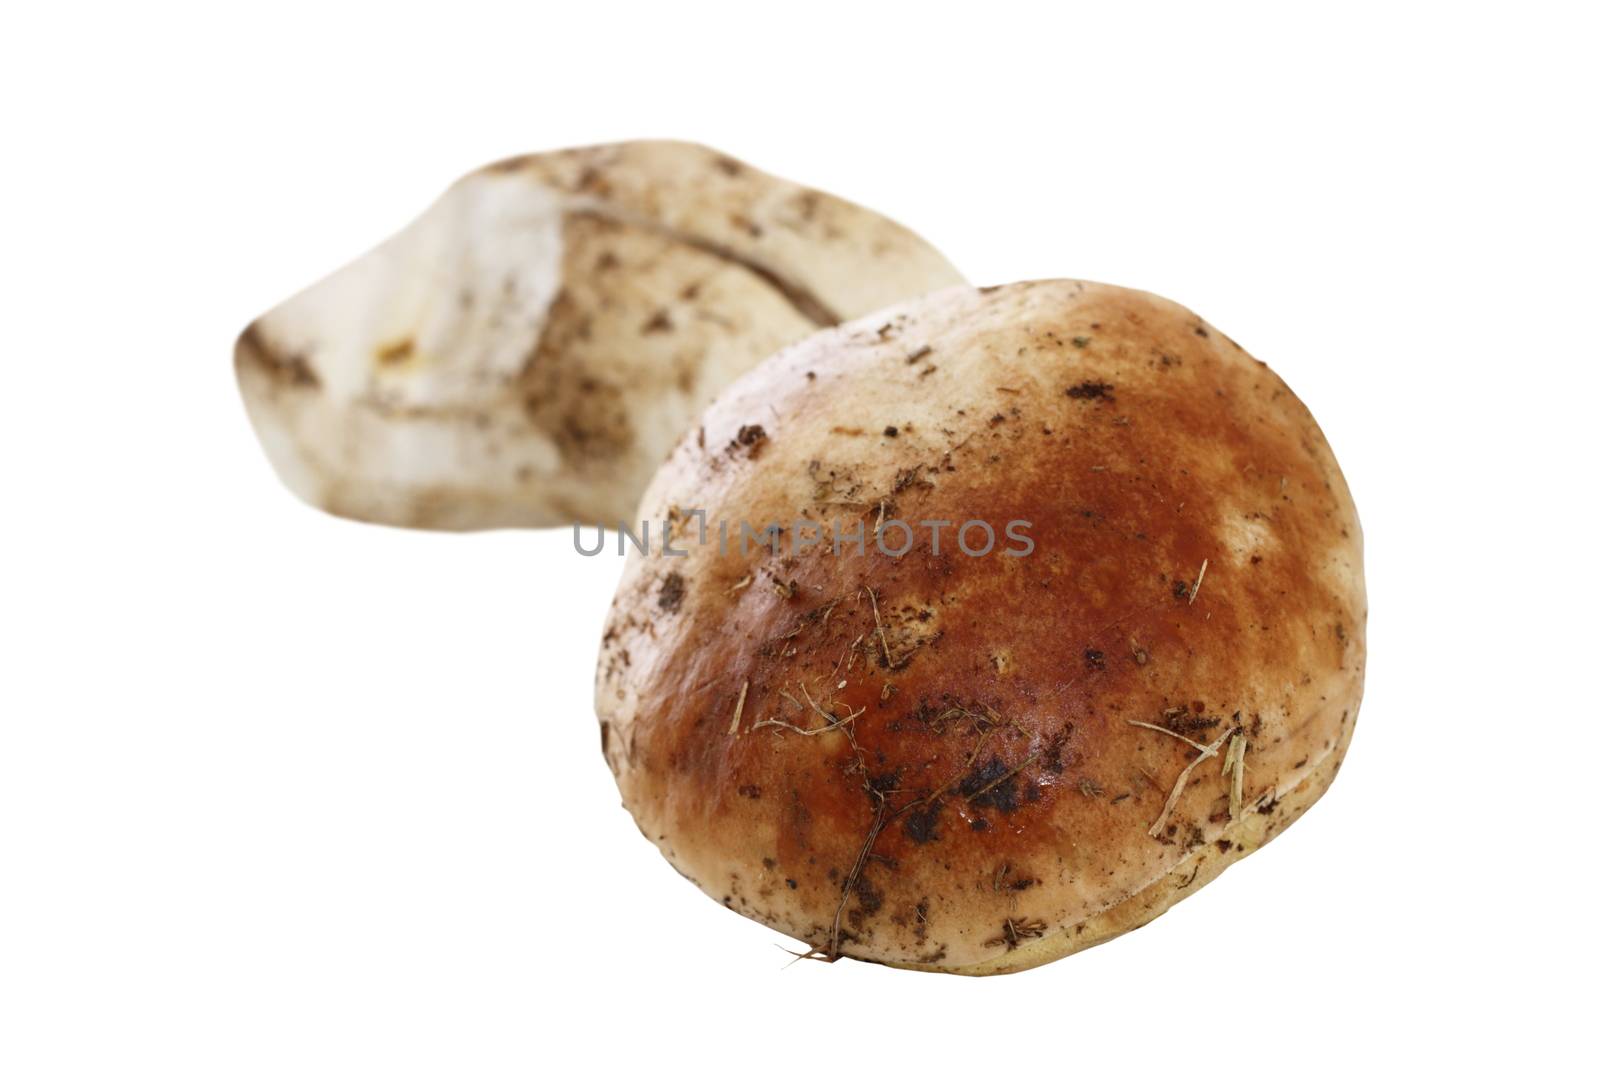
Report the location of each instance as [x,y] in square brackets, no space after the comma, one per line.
[989,807]
[527,351]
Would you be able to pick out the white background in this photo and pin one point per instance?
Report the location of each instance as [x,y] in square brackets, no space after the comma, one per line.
[278,788]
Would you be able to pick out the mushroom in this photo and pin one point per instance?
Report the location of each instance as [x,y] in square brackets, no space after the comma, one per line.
[1084,630]
[527,351]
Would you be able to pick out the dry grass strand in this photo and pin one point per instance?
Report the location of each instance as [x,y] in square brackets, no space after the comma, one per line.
[1194,592]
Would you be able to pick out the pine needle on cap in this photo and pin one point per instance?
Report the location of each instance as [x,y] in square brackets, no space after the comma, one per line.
[1202,577]
[831,724]
[888,660]
[1235,763]
[802,731]
[738,709]
[1206,752]
[1170,733]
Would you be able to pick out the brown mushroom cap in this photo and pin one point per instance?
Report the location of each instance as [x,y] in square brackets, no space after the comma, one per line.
[983,762]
